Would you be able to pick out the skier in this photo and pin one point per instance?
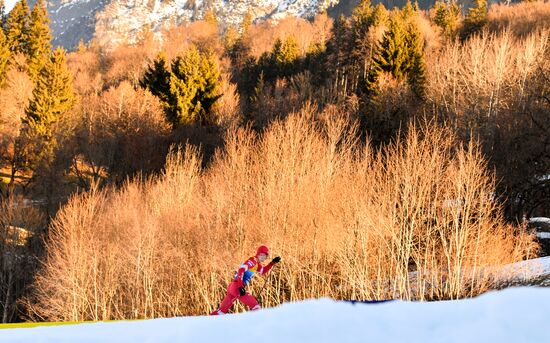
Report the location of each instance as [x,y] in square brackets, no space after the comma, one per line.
[236,289]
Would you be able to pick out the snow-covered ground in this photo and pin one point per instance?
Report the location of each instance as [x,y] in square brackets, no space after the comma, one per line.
[511,315]
[526,270]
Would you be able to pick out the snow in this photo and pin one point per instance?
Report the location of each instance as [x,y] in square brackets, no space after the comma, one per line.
[543,235]
[9,5]
[115,21]
[526,270]
[511,315]
[540,220]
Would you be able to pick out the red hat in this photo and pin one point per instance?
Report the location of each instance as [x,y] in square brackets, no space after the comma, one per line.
[262,250]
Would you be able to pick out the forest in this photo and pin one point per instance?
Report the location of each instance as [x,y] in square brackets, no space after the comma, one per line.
[362,148]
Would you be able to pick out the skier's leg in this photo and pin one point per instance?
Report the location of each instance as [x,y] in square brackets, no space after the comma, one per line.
[250,301]
[230,297]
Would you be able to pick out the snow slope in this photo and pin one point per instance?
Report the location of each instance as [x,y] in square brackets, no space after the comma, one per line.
[511,315]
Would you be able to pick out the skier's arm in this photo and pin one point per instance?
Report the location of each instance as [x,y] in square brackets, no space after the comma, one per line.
[264,270]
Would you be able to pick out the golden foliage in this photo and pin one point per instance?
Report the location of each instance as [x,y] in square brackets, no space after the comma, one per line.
[349,222]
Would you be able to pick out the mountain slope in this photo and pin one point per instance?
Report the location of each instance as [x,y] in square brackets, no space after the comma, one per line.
[115,21]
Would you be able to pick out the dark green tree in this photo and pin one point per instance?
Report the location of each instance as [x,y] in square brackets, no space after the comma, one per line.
[194,88]
[284,56]
[38,39]
[401,54]
[189,90]
[157,79]
[446,15]
[476,18]
[17,27]
[5,55]
[393,54]
[417,72]
[52,97]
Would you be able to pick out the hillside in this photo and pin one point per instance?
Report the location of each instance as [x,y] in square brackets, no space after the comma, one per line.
[512,315]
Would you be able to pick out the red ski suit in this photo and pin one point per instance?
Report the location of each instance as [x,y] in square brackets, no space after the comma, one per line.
[242,278]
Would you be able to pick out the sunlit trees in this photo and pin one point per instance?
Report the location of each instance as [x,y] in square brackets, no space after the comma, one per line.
[52,97]
[189,90]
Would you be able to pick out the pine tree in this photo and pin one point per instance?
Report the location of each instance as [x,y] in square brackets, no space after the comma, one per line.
[82,48]
[476,19]
[417,70]
[246,23]
[401,54]
[284,56]
[17,27]
[211,18]
[393,53]
[380,15]
[189,91]
[194,88]
[3,17]
[409,10]
[38,39]
[5,55]
[446,15]
[157,79]
[363,19]
[52,97]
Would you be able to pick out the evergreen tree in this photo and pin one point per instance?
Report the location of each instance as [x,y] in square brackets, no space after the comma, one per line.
[246,23]
[38,39]
[3,17]
[5,55]
[284,57]
[17,27]
[189,91]
[157,79]
[211,18]
[230,39]
[417,71]
[52,97]
[476,19]
[401,54]
[194,88]
[380,15]
[393,53]
[409,10]
[446,15]
[82,48]
[363,19]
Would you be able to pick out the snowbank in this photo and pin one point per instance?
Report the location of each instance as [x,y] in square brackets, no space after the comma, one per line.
[526,270]
[542,220]
[511,315]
